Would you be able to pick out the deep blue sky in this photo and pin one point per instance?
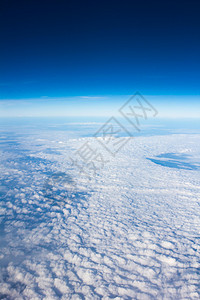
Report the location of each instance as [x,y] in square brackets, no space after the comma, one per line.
[55,52]
[71,48]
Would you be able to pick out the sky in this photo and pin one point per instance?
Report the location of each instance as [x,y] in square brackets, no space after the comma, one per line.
[87,57]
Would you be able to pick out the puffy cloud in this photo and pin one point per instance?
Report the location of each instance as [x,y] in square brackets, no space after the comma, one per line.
[131,233]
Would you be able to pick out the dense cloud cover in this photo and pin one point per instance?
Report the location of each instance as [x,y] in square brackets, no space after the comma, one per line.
[130,232]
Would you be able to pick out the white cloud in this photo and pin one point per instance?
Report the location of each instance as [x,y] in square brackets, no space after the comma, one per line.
[132,233]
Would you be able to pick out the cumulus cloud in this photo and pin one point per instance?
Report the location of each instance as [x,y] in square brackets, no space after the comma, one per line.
[131,233]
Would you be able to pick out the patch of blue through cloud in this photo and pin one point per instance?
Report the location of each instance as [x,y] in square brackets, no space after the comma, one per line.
[174,160]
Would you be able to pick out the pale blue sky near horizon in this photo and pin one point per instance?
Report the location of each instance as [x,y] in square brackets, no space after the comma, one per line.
[183,106]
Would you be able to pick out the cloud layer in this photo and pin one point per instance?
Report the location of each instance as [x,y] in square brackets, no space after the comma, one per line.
[132,232]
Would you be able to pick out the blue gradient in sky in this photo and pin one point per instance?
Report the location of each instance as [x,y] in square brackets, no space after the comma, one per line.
[167,106]
[55,56]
